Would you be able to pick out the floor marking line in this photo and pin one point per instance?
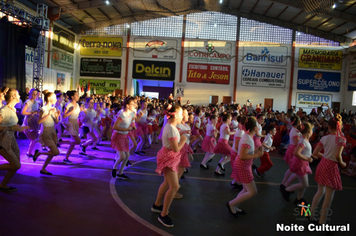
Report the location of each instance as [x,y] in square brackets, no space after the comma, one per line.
[118,200]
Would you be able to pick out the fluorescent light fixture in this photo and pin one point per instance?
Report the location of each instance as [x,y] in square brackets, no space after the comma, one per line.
[334,5]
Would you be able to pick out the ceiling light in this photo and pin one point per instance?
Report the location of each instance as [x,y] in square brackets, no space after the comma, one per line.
[127,26]
[107,2]
[221,1]
[334,5]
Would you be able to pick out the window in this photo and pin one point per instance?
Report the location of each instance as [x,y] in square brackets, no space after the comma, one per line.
[308,39]
[110,30]
[354,98]
[211,25]
[256,31]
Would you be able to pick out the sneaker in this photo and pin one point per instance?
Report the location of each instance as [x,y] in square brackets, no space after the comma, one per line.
[137,153]
[166,221]
[285,195]
[122,176]
[254,167]
[142,152]
[236,186]
[67,162]
[157,209]
[282,187]
[95,148]
[83,148]
[9,189]
[29,155]
[221,167]
[178,195]
[202,166]
[257,174]
[37,153]
[83,153]
[185,170]
[128,163]
[219,174]
[113,173]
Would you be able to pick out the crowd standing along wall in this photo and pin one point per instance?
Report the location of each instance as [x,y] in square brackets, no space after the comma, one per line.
[318,76]
[264,72]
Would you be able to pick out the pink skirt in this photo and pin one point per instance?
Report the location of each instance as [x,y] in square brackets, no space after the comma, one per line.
[223,147]
[167,158]
[208,144]
[299,166]
[289,153]
[242,170]
[141,130]
[257,141]
[195,131]
[184,160]
[327,173]
[233,157]
[119,142]
[155,127]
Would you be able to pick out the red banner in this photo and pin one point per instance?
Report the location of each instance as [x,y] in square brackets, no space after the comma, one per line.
[208,73]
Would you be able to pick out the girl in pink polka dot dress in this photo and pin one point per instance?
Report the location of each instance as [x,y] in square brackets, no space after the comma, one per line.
[168,159]
[327,174]
[223,147]
[243,167]
[299,165]
[257,137]
[294,136]
[209,142]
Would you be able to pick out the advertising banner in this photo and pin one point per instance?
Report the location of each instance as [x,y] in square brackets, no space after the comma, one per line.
[101,86]
[179,91]
[157,48]
[352,60]
[29,75]
[209,51]
[267,56]
[208,73]
[320,59]
[352,81]
[29,54]
[60,81]
[101,46]
[62,60]
[155,70]
[320,81]
[100,67]
[263,77]
[63,39]
[313,100]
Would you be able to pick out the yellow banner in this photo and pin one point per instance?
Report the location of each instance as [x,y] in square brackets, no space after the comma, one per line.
[101,46]
[320,59]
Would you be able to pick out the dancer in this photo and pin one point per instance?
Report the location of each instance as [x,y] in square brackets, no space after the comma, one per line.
[223,147]
[243,167]
[257,138]
[266,162]
[168,159]
[71,114]
[242,120]
[151,121]
[197,128]
[30,111]
[186,151]
[87,117]
[294,136]
[49,115]
[327,173]
[9,148]
[119,139]
[299,165]
[59,124]
[142,128]
[209,142]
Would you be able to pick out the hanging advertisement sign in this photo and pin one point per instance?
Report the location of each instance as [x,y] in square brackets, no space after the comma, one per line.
[157,48]
[100,67]
[267,56]
[352,60]
[263,77]
[155,70]
[101,86]
[29,54]
[29,75]
[208,73]
[320,81]
[313,100]
[62,60]
[352,81]
[209,51]
[320,59]
[101,46]
[60,81]
[63,39]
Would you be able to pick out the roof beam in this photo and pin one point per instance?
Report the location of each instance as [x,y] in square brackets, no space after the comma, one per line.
[80,6]
[301,11]
[322,23]
[268,8]
[282,12]
[254,6]
[332,13]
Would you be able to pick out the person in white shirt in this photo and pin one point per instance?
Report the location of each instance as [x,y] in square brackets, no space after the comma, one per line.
[266,162]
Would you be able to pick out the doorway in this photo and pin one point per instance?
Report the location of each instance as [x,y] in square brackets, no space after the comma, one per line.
[268,103]
[154,88]
[226,99]
[214,99]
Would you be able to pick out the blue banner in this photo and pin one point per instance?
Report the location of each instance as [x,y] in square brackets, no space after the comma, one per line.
[319,81]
